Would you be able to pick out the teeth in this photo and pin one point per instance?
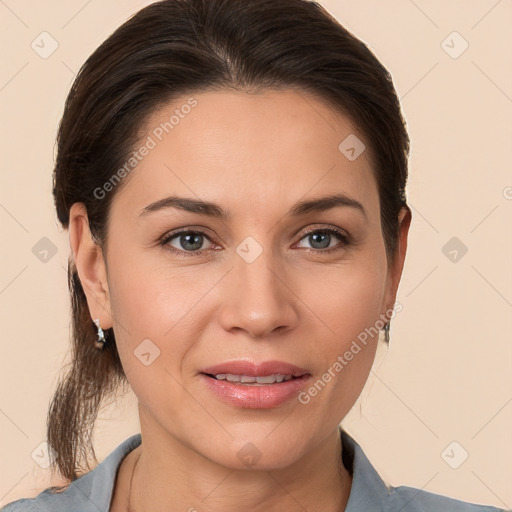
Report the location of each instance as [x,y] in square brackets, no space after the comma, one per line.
[247,379]
[266,380]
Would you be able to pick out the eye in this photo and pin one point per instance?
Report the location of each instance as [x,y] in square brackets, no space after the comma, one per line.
[322,238]
[187,241]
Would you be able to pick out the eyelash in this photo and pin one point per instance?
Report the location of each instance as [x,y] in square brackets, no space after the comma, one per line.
[168,237]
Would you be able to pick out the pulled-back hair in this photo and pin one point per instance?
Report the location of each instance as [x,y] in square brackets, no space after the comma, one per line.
[176,47]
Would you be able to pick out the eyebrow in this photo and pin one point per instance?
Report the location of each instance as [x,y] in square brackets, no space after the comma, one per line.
[209,209]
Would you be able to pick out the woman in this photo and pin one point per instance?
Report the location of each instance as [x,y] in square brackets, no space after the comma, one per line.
[232,174]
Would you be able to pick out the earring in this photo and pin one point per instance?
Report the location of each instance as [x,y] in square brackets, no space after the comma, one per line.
[100,342]
[386,332]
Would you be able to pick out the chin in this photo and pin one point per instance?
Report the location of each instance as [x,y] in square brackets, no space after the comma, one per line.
[264,451]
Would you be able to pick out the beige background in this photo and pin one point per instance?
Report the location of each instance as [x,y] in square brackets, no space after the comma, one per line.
[447,376]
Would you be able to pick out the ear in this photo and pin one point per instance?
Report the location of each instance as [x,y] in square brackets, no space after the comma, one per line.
[395,270]
[90,265]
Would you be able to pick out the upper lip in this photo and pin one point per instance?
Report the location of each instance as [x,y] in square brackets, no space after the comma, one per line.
[255,369]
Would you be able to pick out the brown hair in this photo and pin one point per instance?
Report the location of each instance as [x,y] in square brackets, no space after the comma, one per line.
[176,47]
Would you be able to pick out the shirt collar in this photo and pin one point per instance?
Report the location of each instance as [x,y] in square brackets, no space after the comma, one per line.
[368,491]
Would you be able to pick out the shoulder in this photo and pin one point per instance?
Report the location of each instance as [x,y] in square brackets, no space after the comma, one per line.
[410,499]
[369,493]
[48,500]
[91,492]
[22,505]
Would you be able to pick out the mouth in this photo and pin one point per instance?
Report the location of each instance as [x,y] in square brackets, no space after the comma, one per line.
[252,385]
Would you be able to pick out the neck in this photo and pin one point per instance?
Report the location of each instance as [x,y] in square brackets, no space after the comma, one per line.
[130,508]
[172,473]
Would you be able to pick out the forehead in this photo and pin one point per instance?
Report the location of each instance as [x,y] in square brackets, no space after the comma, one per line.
[250,150]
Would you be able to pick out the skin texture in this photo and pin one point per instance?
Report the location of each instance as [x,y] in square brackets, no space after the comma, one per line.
[255,156]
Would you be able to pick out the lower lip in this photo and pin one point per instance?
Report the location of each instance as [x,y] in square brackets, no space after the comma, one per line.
[255,396]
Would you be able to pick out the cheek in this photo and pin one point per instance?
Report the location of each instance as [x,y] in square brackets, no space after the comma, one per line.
[345,300]
[348,302]
[157,310]
[150,319]
[150,299]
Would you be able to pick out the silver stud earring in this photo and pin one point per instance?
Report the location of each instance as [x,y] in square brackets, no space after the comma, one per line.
[386,332]
[100,342]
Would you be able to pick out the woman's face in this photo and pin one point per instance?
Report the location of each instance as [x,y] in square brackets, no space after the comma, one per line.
[269,281]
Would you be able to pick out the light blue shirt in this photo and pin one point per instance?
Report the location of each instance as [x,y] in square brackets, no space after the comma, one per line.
[93,491]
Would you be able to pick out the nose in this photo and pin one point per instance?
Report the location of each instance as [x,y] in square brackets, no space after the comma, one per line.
[258,299]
